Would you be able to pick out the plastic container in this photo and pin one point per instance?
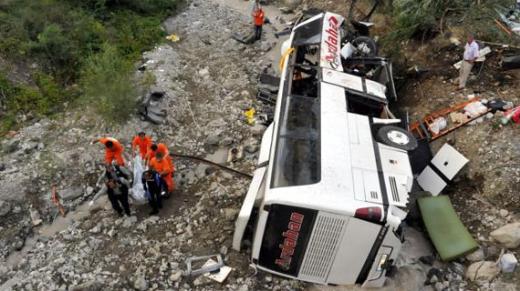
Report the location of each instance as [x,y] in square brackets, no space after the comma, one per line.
[508,263]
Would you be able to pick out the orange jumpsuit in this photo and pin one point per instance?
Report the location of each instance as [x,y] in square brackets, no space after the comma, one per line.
[161,148]
[259,16]
[165,168]
[115,153]
[143,144]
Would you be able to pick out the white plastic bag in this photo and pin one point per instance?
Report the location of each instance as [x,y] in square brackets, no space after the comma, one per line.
[475,109]
[438,125]
[137,188]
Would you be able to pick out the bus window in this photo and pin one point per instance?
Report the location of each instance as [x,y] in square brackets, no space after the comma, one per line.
[297,157]
[309,33]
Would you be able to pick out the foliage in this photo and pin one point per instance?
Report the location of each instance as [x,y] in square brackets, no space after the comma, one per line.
[417,17]
[66,38]
[42,99]
[107,83]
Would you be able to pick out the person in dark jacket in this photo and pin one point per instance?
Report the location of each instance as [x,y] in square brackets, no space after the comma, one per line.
[153,185]
[117,191]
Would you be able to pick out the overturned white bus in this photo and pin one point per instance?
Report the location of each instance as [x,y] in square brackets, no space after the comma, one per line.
[331,188]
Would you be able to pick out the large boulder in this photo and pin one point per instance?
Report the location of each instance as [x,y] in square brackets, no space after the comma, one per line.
[508,235]
[482,271]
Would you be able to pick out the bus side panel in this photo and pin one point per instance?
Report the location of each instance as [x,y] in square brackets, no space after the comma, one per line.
[354,250]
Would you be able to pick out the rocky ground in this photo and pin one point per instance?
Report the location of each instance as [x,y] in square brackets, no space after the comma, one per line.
[209,80]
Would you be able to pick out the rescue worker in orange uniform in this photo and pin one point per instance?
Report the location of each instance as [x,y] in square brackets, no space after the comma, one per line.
[164,166]
[154,149]
[143,142]
[113,150]
[258,19]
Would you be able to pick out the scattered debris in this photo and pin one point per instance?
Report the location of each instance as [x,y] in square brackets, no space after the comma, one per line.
[250,116]
[442,169]
[482,57]
[219,276]
[510,18]
[151,107]
[431,128]
[173,37]
[510,62]
[208,267]
[245,39]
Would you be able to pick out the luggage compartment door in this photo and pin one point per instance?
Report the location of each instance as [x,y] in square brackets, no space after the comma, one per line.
[356,244]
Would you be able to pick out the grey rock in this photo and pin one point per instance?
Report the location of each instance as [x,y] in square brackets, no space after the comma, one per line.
[508,235]
[93,285]
[457,268]
[176,276]
[503,212]
[482,271]
[35,217]
[476,256]
[140,283]
[129,221]
[230,213]
[5,208]
[502,286]
[224,250]
[3,270]
[439,286]
[70,193]
[213,139]
[95,229]
[12,146]
[204,73]
[258,129]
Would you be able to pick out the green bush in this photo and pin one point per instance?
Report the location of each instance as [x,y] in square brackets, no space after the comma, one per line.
[133,34]
[413,17]
[46,98]
[93,42]
[146,7]
[107,84]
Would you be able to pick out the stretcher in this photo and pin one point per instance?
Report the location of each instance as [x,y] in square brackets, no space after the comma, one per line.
[449,236]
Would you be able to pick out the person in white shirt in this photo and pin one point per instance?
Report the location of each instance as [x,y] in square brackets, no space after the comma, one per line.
[471,54]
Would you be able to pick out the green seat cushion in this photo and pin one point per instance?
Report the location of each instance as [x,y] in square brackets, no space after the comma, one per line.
[449,236]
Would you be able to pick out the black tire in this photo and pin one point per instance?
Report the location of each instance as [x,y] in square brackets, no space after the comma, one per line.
[366,46]
[407,142]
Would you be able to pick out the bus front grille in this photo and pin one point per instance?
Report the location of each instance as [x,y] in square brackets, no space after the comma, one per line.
[322,247]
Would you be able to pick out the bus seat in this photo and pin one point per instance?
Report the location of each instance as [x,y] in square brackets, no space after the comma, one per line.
[449,236]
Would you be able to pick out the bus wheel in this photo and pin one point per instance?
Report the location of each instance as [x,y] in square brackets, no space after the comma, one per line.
[397,137]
